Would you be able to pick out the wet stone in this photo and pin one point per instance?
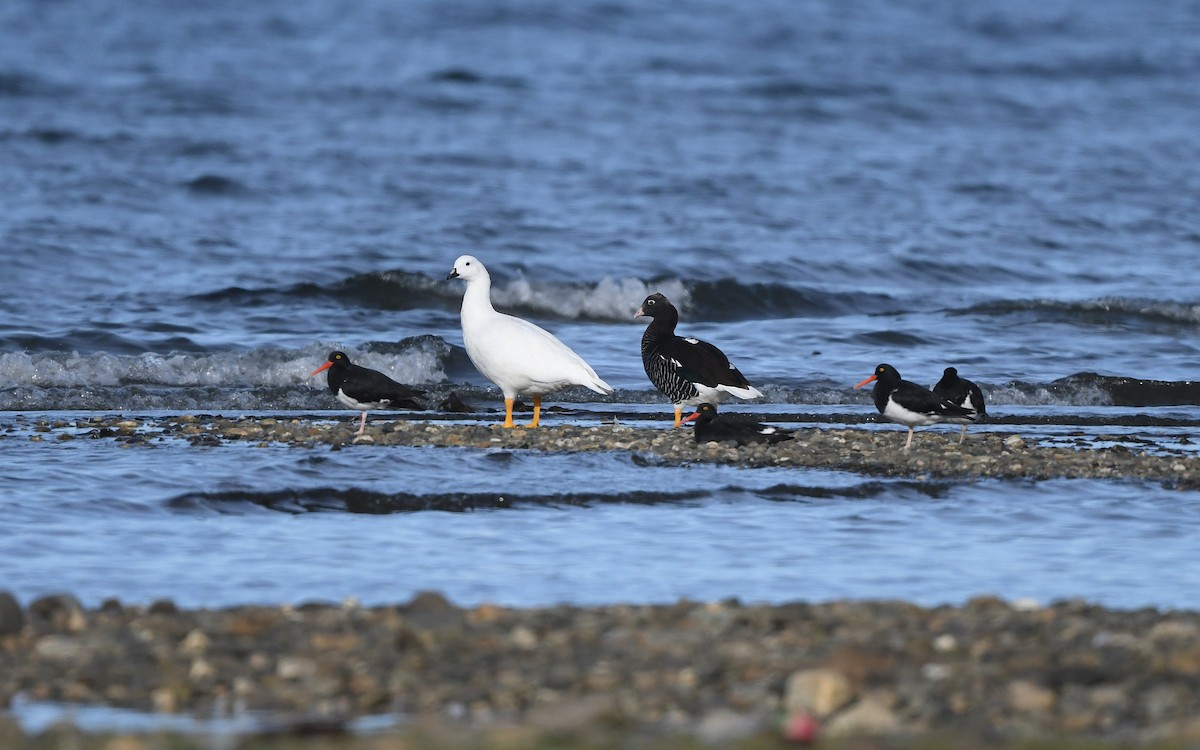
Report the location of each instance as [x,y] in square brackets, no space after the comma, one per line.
[12,618]
[818,691]
[58,613]
[162,607]
[870,717]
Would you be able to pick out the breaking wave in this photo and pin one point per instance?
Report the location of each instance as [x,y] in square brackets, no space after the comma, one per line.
[1102,311]
[255,379]
[1092,389]
[607,300]
[353,500]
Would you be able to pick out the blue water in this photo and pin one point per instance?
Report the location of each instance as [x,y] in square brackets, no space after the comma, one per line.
[200,202]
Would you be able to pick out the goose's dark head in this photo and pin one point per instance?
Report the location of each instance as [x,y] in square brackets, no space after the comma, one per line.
[653,306]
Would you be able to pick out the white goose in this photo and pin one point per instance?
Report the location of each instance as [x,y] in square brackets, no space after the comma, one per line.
[515,354]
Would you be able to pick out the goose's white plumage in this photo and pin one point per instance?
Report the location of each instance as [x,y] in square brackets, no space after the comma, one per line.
[516,355]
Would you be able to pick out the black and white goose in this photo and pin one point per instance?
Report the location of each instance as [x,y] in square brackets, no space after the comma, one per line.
[365,389]
[687,370]
[739,428]
[910,404]
[963,392]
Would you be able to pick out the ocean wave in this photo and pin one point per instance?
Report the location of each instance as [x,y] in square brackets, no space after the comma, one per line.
[150,398]
[277,379]
[1102,311]
[20,83]
[312,397]
[607,300]
[353,500]
[93,339]
[1092,389]
[216,185]
[729,299]
[1102,66]
[1082,389]
[419,359]
[860,491]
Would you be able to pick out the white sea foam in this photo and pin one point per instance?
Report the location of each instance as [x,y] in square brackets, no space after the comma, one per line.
[608,299]
[1174,311]
[421,363]
[1043,395]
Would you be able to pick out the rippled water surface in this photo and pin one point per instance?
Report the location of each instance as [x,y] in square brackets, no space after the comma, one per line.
[200,202]
[239,524]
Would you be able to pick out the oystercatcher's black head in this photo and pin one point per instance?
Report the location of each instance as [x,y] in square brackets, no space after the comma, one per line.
[885,374]
[704,413]
[336,359]
[950,372]
[653,306]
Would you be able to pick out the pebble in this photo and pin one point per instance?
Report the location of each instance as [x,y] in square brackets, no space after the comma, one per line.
[12,618]
[1028,697]
[818,691]
[870,717]
[58,613]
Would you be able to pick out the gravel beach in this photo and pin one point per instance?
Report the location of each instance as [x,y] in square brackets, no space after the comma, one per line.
[718,671]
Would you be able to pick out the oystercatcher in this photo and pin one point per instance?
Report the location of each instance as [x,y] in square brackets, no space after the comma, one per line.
[365,389]
[516,355]
[910,404]
[963,392]
[686,370]
[739,428]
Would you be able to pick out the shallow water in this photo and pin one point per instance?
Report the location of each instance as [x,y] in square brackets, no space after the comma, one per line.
[239,524]
[201,202]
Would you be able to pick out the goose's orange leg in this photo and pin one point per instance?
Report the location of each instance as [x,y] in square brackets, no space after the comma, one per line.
[537,411]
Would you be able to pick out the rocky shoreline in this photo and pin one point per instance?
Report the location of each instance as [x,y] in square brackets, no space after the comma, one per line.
[717,671]
[934,454]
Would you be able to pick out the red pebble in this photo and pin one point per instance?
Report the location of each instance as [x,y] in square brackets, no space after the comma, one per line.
[802,728]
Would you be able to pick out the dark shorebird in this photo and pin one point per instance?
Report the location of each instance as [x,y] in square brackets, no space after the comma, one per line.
[687,370]
[739,428]
[910,404]
[365,389]
[963,392]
